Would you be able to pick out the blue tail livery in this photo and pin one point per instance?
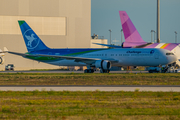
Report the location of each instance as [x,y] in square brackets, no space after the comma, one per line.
[32,41]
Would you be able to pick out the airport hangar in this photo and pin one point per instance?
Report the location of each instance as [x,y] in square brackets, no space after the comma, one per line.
[59,23]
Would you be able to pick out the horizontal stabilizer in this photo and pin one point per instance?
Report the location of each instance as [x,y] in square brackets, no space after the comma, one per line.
[113,46]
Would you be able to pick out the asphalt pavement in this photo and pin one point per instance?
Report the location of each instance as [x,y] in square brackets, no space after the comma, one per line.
[153,88]
[60,71]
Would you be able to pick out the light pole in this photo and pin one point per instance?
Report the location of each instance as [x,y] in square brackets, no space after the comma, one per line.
[110,35]
[175,37]
[152,35]
[158,21]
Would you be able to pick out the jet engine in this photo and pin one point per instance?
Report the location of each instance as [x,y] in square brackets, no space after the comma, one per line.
[103,64]
[1,60]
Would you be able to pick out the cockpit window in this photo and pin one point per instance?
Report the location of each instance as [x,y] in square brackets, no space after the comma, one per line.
[169,53]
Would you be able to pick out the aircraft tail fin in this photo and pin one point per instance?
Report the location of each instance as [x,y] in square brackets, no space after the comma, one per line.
[130,32]
[32,41]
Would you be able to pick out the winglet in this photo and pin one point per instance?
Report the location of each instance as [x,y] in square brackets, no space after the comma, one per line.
[113,46]
[5,49]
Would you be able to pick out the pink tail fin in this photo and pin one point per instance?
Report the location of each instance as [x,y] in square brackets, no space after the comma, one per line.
[130,32]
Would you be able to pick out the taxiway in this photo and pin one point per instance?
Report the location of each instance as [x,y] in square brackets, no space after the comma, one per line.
[154,88]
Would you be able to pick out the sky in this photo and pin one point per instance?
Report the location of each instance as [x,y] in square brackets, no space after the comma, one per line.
[143,14]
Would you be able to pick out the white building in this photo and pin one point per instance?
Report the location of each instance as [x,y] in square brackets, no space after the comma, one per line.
[98,39]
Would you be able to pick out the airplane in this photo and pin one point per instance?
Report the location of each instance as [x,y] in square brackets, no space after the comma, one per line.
[1,57]
[90,57]
[133,38]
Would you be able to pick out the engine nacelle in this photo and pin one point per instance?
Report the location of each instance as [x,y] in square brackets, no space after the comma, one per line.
[1,60]
[103,64]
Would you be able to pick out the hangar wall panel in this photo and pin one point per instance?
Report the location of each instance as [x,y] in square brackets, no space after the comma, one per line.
[41,25]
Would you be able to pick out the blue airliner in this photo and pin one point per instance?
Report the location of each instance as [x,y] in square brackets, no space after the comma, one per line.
[92,58]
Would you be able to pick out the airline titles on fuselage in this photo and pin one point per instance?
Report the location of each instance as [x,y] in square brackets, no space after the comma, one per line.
[151,52]
[125,53]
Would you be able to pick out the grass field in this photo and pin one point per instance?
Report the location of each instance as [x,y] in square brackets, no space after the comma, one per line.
[90,105]
[89,79]
[97,105]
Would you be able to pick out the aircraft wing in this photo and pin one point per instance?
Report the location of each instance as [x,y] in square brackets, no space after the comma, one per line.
[1,53]
[76,59]
[21,54]
[113,46]
[16,53]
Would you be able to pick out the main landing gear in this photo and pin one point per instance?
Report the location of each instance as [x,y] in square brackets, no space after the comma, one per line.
[92,71]
[104,71]
[89,71]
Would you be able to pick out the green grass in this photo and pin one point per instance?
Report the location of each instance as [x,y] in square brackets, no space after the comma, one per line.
[89,105]
[89,79]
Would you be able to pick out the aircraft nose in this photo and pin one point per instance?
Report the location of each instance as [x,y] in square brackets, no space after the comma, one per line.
[172,58]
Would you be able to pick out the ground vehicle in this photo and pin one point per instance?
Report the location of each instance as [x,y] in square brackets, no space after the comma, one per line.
[9,67]
[153,69]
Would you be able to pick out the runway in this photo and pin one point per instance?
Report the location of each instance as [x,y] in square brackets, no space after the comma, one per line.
[153,88]
[60,71]
[163,88]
